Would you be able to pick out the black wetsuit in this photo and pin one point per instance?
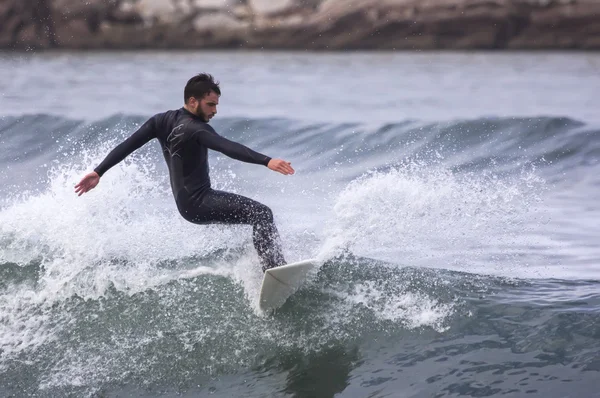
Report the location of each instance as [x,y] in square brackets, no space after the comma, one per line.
[185,140]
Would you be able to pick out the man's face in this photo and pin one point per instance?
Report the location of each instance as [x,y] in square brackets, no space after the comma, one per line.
[205,108]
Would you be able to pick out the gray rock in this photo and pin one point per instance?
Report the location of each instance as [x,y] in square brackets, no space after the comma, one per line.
[301,24]
[216,4]
[219,21]
[272,7]
[161,11]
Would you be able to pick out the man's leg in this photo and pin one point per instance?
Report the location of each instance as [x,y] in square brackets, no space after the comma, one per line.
[229,208]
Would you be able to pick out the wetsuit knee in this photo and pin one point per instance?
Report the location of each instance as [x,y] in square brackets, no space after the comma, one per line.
[188,212]
[264,214]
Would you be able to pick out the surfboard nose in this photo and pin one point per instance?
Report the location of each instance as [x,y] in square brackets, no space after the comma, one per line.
[279,283]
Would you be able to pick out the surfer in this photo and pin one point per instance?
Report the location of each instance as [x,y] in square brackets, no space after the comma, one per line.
[185,138]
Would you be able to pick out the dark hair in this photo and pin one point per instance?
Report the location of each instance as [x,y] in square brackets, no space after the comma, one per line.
[199,86]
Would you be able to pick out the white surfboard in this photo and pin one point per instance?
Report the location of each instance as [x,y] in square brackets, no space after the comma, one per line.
[279,283]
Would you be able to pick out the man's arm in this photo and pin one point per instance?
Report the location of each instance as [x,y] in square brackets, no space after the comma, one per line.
[135,141]
[124,149]
[208,137]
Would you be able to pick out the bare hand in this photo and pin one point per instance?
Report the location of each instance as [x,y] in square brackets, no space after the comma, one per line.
[88,182]
[281,166]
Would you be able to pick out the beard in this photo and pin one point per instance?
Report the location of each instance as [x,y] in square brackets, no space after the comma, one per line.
[200,114]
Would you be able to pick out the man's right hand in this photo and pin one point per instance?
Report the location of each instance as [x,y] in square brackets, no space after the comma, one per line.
[88,182]
[281,166]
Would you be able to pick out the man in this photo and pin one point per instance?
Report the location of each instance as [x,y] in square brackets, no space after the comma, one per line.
[185,137]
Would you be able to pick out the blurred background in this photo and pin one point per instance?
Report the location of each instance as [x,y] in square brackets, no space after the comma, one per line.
[300,24]
[447,177]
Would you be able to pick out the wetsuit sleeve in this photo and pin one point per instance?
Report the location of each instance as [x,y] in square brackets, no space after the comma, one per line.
[124,149]
[210,139]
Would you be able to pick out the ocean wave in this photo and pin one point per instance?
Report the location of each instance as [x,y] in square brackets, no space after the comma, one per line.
[497,143]
[203,324]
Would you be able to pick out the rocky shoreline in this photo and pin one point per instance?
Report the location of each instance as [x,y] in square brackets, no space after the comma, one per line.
[300,24]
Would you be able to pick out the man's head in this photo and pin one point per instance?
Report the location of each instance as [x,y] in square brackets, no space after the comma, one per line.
[201,96]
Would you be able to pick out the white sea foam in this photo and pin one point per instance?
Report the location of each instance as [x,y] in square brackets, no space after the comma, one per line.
[425,215]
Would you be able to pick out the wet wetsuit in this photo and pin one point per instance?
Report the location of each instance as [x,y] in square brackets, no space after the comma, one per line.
[185,140]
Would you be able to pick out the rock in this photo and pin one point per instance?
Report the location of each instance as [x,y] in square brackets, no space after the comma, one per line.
[548,28]
[218,21]
[5,8]
[407,24]
[301,24]
[75,34]
[9,21]
[327,6]
[27,37]
[27,24]
[72,9]
[242,11]
[272,7]
[220,30]
[216,4]
[125,14]
[157,11]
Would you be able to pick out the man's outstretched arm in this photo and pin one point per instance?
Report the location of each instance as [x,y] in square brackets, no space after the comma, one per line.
[124,149]
[209,138]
